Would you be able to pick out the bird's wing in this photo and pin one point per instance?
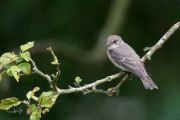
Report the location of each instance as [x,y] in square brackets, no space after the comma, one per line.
[146,69]
[128,59]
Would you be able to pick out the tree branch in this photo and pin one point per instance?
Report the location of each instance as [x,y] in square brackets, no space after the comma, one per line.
[92,85]
[47,77]
[159,44]
[110,91]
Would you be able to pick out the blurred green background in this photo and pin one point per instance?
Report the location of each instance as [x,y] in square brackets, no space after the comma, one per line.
[77,31]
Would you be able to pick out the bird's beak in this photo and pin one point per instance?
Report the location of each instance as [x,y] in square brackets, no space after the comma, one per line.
[107,45]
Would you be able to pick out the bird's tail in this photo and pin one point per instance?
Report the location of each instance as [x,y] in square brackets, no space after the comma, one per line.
[148,83]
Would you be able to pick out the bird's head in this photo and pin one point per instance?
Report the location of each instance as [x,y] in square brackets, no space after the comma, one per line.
[113,41]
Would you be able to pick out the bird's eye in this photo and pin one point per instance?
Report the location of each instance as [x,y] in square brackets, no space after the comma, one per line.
[114,41]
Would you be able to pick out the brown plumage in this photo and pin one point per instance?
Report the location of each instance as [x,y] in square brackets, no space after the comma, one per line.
[125,58]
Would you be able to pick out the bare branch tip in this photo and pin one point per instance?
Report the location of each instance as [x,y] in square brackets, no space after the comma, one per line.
[70,87]
[94,87]
[149,57]
[146,49]
[49,48]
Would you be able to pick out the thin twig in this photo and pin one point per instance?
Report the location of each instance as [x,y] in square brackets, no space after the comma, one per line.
[55,62]
[47,77]
[117,88]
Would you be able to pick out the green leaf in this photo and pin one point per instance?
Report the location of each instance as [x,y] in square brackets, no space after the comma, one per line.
[78,79]
[15,70]
[9,72]
[25,67]
[26,55]
[54,98]
[31,108]
[1,75]
[8,65]
[35,98]
[9,102]
[36,115]
[25,102]
[6,58]
[3,63]
[46,94]
[46,102]
[19,59]
[27,46]
[31,93]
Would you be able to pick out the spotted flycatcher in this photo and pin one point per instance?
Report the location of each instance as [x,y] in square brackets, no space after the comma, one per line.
[125,58]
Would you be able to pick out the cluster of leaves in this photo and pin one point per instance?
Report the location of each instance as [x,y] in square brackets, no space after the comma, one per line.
[13,63]
[45,100]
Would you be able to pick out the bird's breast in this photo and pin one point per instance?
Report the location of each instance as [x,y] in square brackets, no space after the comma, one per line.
[114,62]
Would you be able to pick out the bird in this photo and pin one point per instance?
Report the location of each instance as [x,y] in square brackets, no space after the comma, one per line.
[124,57]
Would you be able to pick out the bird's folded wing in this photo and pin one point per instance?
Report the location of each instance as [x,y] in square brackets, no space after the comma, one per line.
[127,60]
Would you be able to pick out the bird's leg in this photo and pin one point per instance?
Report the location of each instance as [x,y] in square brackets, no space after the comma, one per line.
[129,76]
[122,71]
[126,72]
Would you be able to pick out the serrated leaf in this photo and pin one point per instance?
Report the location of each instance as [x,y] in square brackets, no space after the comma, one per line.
[36,115]
[15,70]
[1,75]
[78,79]
[19,59]
[27,46]
[9,72]
[46,102]
[25,67]
[7,103]
[31,108]
[26,55]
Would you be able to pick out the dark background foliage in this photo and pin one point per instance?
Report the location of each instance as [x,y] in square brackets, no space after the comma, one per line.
[79,23]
